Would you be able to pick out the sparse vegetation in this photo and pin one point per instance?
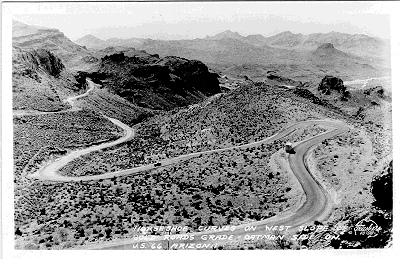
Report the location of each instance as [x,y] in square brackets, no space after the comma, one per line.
[176,108]
[214,124]
[37,135]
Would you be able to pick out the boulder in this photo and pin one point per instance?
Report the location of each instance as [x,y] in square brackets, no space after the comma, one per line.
[330,83]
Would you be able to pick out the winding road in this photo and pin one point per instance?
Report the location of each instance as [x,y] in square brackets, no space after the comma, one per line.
[49,172]
[317,204]
[69,100]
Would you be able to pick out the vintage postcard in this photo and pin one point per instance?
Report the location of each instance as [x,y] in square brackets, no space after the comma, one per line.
[198,126]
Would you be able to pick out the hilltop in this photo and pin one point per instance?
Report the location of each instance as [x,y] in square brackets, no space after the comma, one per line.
[157,83]
[328,50]
[90,41]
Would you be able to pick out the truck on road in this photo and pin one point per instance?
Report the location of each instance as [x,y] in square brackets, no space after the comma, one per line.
[289,148]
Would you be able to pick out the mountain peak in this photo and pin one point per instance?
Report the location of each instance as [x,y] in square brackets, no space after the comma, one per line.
[327,50]
[90,36]
[227,34]
[286,33]
[90,41]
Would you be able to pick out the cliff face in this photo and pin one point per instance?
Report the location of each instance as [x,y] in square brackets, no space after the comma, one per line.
[148,81]
[40,59]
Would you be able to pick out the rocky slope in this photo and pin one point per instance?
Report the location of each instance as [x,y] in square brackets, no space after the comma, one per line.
[40,59]
[34,37]
[47,67]
[372,105]
[151,82]
[40,80]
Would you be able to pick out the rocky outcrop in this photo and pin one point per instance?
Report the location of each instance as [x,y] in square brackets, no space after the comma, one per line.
[40,60]
[378,90]
[278,79]
[305,93]
[330,83]
[195,73]
[49,62]
[148,81]
[382,189]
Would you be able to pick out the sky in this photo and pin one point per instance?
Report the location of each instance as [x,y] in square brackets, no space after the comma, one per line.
[197,20]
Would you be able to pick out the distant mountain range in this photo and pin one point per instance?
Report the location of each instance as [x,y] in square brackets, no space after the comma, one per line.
[358,44]
[302,58]
[92,42]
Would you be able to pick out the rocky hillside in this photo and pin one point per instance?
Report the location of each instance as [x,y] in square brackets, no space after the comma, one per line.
[366,104]
[36,60]
[40,80]
[151,82]
[48,67]
[34,37]
[43,67]
[43,60]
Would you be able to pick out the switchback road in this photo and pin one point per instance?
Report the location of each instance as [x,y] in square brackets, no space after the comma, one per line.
[317,204]
[49,172]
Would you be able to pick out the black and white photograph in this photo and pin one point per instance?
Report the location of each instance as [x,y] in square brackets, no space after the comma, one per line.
[198,125]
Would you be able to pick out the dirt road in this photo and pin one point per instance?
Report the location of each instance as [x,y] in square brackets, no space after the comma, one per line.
[69,100]
[317,205]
